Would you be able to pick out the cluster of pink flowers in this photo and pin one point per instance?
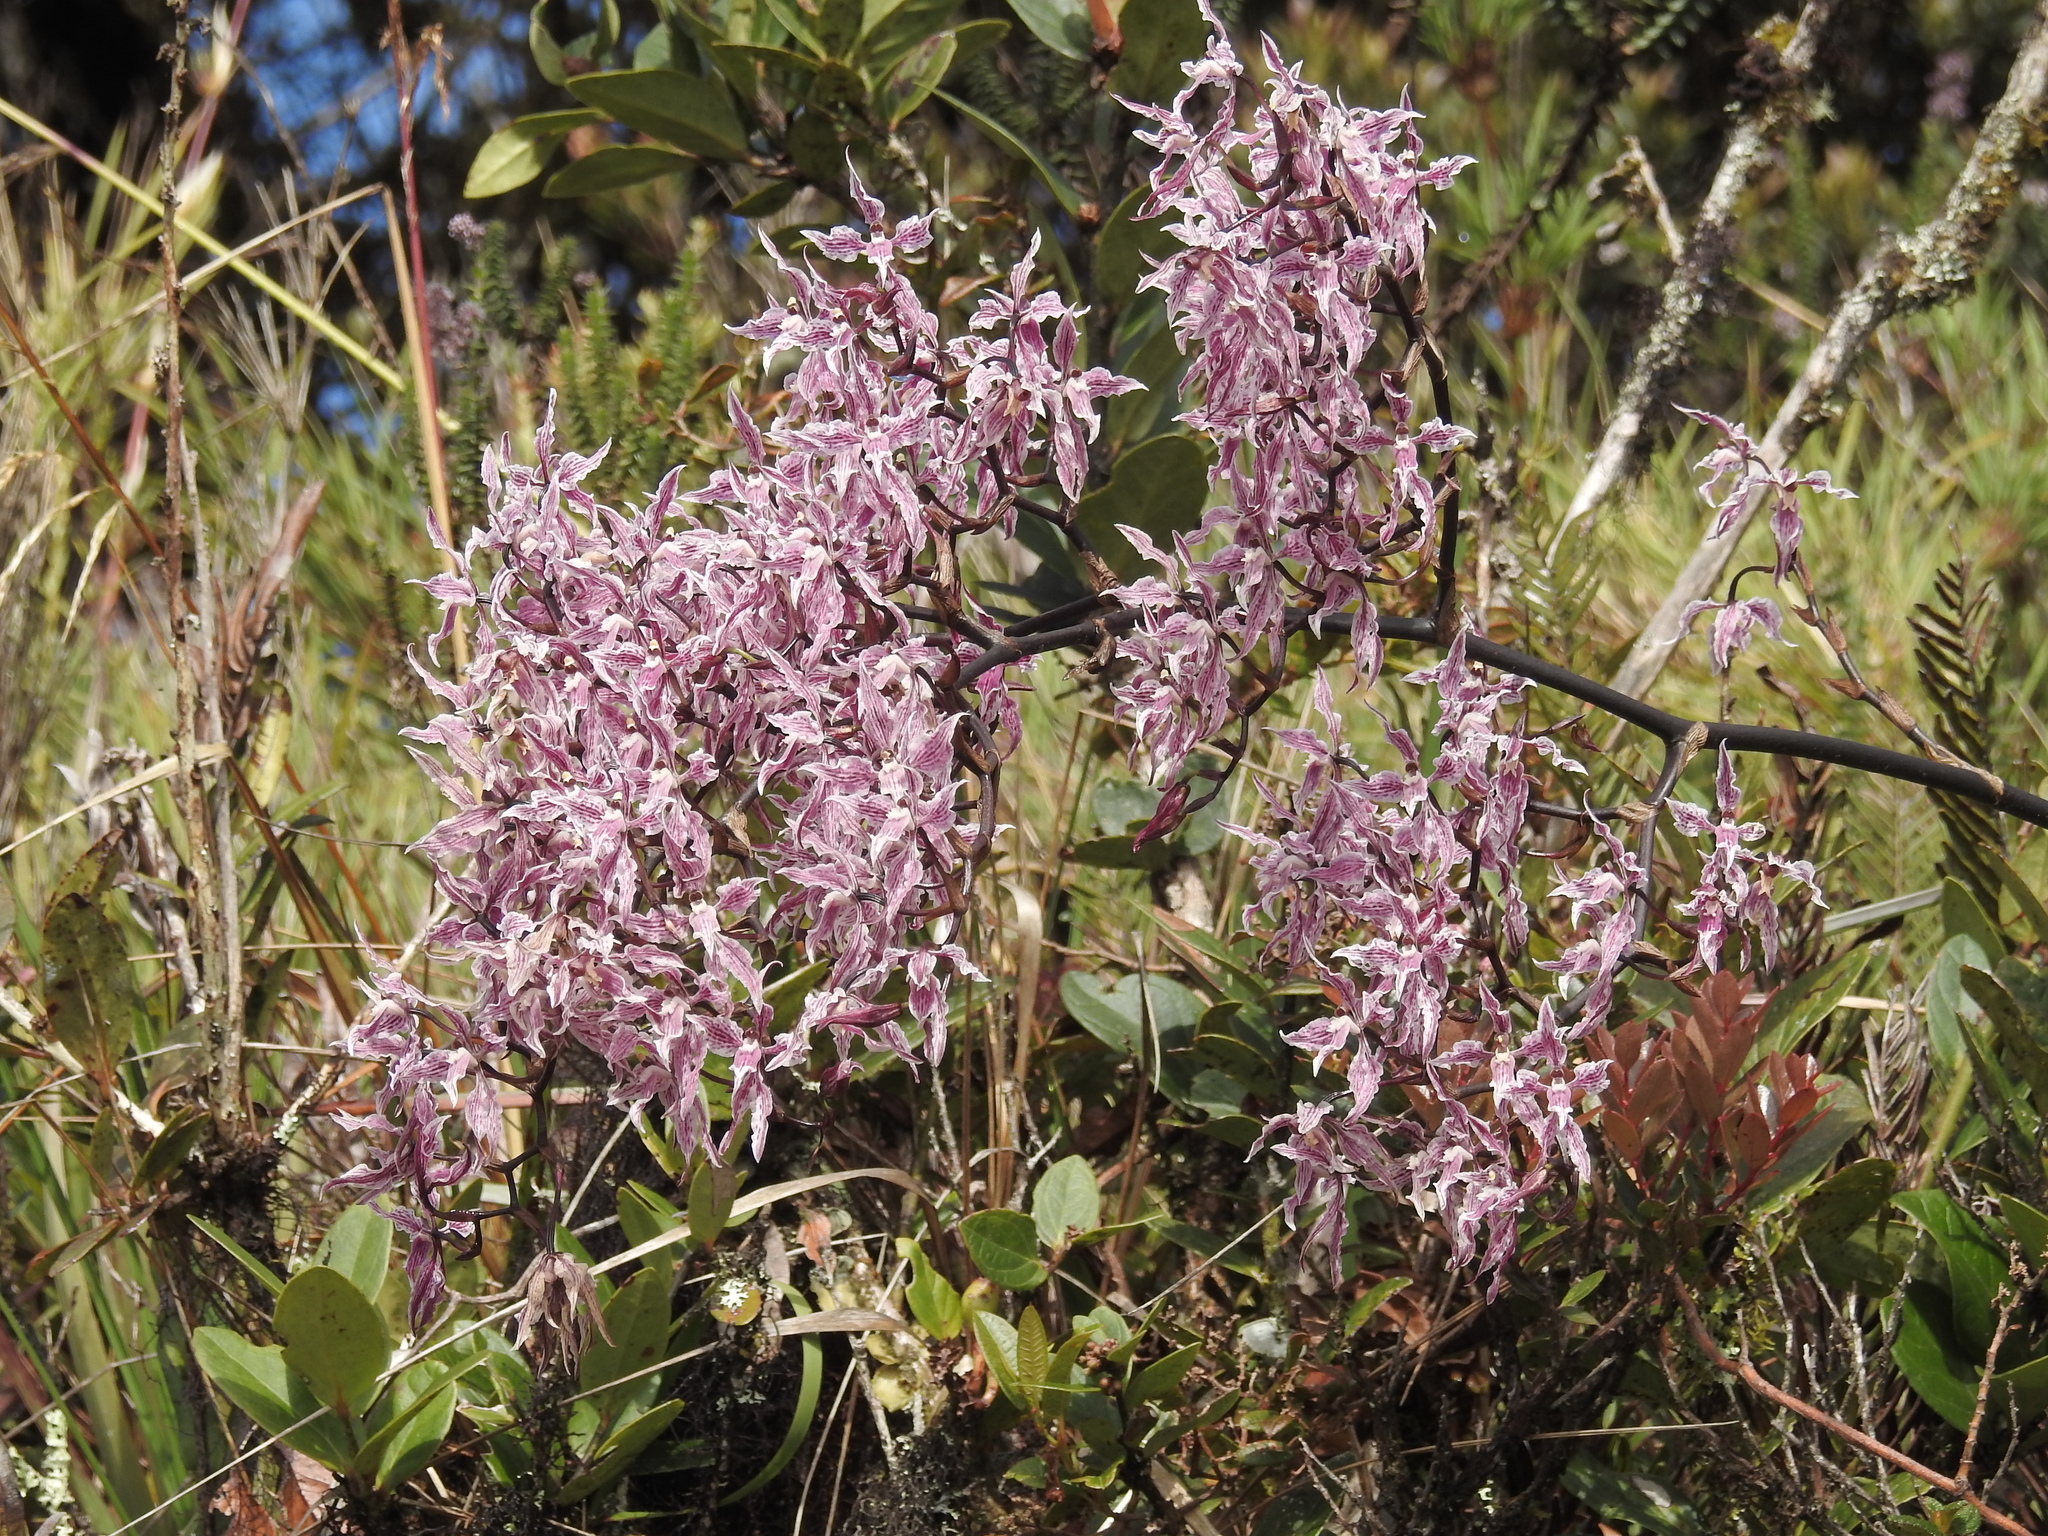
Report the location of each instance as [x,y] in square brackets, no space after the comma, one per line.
[1399,859]
[1278,292]
[1736,470]
[690,750]
[1738,885]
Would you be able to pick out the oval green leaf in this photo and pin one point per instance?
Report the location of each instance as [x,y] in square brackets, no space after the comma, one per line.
[1062,25]
[692,112]
[1004,1247]
[1159,488]
[333,1337]
[520,150]
[614,167]
[1066,1201]
[1158,34]
[359,1246]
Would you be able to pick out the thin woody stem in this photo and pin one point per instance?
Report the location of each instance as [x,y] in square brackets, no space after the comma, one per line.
[2009,1298]
[1762,1385]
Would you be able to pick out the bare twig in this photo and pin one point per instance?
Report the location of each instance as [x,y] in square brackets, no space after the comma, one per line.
[2009,1298]
[1757,1382]
[1937,262]
[207,808]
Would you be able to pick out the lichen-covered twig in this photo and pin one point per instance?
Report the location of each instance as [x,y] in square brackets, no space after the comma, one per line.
[1934,264]
[1698,269]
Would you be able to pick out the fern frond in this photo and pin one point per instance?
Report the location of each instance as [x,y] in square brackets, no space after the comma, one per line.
[1956,650]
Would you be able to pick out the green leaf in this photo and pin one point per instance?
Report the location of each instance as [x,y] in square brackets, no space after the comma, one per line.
[1871,1260]
[263,1274]
[1947,1002]
[1846,1113]
[1158,35]
[1123,806]
[643,1216]
[2023,1050]
[1004,1247]
[168,1150]
[798,28]
[1066,1200]
[520,150]
[693,112]
[1846,1200]
[415,1415]
[1927,1352]
[808,1384]
[933,1300]
[905,27]
[1583,1287]
[558,61]
[254,1376]
[1976,1269]
[1962,917]
[88,985]
[713,1188]
[874,12]
[1242,1259]
[2028,1225]
[1062,25]
[1116,1015]
[1117,853]
[359,1246]
[417,1439]
[257,1381]
[1803,1003]
[1162,1378]
[667,45]
[1636,1498]
[998,1340]
[1360,1311]
[977,37]
[333,1337]
[613,168]
[1109,1322]
[1240,1062]
[1034,1354]
[616,1456]
[1159,488]
[763,201]
[2028,1388]
[839,24]
[2030,905]
[1102,1011]
[815,149]
[1122,245]
[913,80]
[1063,190]
[637,1319]
[743,56]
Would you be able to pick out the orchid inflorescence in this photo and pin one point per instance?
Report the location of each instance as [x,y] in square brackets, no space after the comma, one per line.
[760,724]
